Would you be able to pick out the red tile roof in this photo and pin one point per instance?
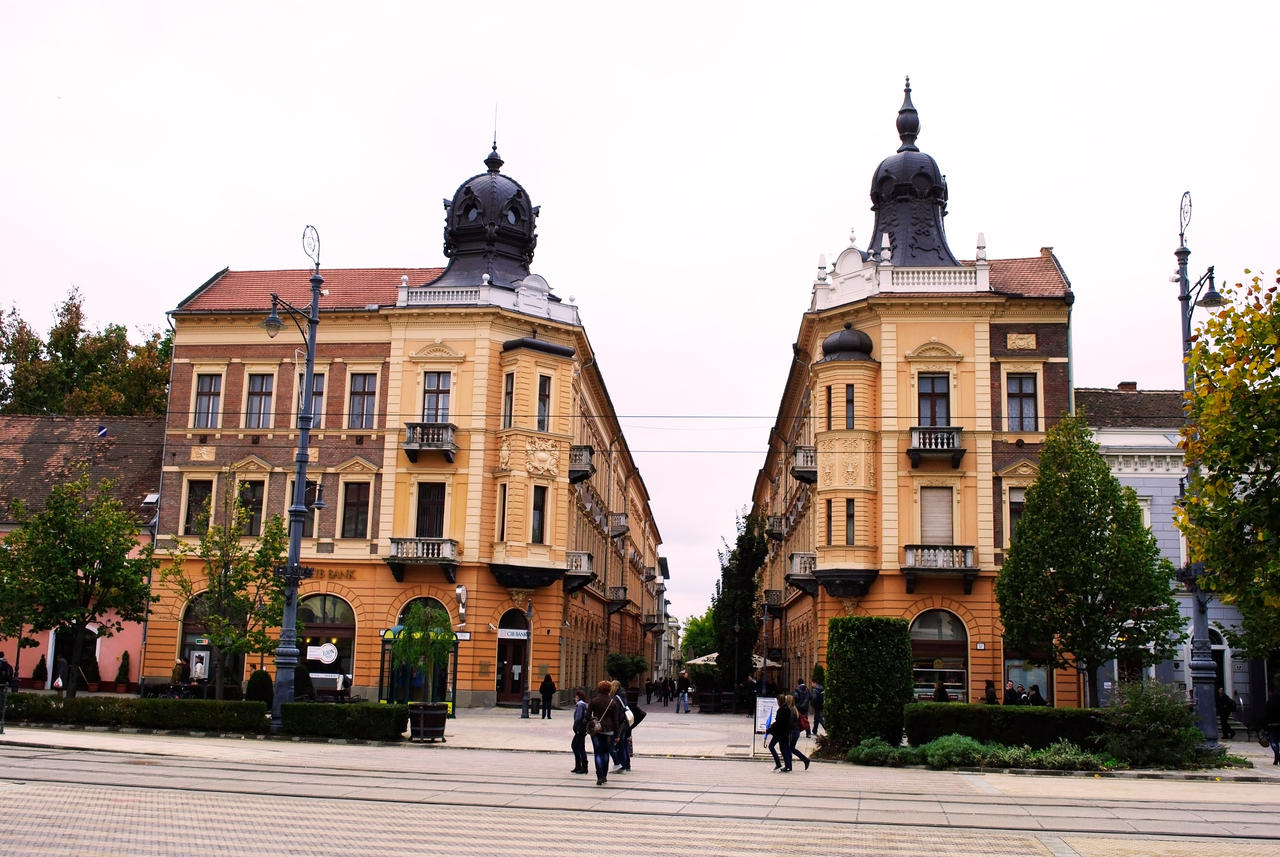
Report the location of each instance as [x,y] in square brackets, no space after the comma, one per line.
[39,452]
[349,288]
[1037,277]
[1131,408]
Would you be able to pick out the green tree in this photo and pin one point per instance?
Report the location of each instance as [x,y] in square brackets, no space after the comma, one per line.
[1231,512]
[74,564]
[1083,582]
[426,638]
[77,371]
[237,598]
[736,602]
[698,637]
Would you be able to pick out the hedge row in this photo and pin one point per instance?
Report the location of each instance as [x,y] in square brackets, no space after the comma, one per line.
[200,715]
[368,721]
[1014,725]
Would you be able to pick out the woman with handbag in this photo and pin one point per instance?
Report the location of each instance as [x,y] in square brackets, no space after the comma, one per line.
[603,716]
[798,722]
[780,734]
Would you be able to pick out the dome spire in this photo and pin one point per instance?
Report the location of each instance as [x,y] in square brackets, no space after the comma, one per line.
[908,122]
[494,162]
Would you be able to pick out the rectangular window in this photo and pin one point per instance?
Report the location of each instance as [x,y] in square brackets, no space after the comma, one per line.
[828,407]
[935,516]
[830,522]
[252,495]
[848,521]
[1017,497]
[364,393]
[317,397]
[435,397]
[309,498]
[430,510]
[502,512]
[508,398]
[1022,402]
[258,405]
[544,402]
[199,495]
[848,406]
[355,510]
[537,533]
[935,400]
[208,400]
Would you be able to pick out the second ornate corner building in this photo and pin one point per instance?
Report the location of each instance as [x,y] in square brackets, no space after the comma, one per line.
[918,398]
[468,453]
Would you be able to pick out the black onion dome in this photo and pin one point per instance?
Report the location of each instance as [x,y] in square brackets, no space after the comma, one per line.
[489,229]
[909,197]
[846,344]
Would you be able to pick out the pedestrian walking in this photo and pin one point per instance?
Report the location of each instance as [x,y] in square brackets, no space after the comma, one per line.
[817,699]
[798,721]
[548,691]
[801,696]
[1226,707]
[682,692]
[579,743]
[780,735]
[604,710]
[622,738]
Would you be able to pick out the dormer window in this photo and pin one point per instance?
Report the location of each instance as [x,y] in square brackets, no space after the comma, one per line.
[513,216]
[471,212]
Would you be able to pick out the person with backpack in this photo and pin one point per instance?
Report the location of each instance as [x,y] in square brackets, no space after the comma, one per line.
[603,716]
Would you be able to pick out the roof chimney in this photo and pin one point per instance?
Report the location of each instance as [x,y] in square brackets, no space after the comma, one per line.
[1046,252]
[1127,386]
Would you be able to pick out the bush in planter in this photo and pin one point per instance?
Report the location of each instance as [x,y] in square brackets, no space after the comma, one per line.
[363,721]
[1033,725]
[260,688]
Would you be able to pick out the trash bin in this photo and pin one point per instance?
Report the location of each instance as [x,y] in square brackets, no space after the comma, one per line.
[427,720]
[535,705]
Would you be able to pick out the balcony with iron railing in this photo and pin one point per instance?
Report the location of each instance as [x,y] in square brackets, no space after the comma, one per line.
[423,551]
[617,598]
[776,527]
[579,570]
[940,561]
[581,463]
[618,524]
[936,442]
[427,437]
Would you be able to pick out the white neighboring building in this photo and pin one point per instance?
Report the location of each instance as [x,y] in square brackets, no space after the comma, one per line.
[1138,433]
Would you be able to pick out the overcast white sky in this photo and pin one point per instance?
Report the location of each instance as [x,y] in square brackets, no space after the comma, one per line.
[691,160]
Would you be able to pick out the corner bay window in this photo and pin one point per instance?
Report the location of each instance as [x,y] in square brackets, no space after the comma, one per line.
[508,398]
[544,402]
[537,532]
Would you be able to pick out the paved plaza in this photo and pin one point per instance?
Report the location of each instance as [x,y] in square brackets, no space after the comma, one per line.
[501,785]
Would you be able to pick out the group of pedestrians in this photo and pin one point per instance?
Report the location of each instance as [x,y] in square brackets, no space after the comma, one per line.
[607,719]
[784,732]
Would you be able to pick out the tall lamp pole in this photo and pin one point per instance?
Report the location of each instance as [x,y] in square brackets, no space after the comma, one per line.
[528,673]
[1203,670]
[293,571]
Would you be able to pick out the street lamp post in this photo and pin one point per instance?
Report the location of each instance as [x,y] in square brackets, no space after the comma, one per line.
[764,661]
[293,571]
[1203,670]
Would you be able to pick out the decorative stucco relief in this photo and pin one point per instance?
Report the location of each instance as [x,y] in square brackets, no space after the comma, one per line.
[542,456]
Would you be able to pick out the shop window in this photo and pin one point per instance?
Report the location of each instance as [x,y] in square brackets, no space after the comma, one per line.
[939,652]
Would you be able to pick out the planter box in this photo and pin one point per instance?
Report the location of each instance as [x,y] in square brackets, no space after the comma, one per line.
[427,720]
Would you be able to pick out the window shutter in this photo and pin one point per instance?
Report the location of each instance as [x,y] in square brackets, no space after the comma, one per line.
[935,516]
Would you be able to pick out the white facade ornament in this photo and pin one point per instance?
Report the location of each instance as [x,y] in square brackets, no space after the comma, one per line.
[982,248]
[504,455]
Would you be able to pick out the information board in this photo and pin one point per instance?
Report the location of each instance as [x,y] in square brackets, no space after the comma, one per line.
[766,707]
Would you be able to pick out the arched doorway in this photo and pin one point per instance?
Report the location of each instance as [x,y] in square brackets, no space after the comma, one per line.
[1221,657]
[940,650]
[328,642]
[513,656]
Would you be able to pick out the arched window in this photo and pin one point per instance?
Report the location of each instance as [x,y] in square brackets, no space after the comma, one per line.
[940,652]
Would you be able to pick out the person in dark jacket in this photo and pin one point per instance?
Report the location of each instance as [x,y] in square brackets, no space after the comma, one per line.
[579,743]
[817,699]
[801,696]
[1271,717]
[1034,697]
[989,694]
[780,734]
[604,707]
[940,693]
[548,691]
[1010,694]
[1226,707]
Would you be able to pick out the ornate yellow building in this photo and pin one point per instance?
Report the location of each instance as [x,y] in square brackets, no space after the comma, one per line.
[465,446]
[915,407]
